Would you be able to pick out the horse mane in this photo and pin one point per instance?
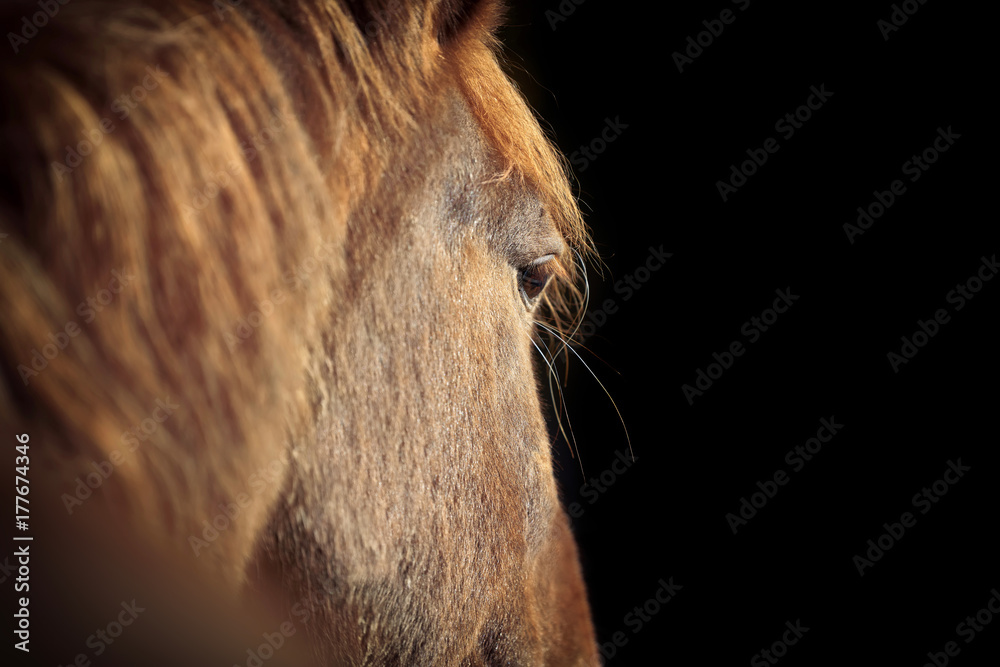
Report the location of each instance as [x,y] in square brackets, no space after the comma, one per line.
[229,144]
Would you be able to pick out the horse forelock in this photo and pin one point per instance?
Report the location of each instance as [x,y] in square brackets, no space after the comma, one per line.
[458,39]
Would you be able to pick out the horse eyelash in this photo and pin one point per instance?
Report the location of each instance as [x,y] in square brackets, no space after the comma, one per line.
[543,267]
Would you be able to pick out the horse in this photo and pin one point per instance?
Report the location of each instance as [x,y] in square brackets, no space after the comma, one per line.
[274,276]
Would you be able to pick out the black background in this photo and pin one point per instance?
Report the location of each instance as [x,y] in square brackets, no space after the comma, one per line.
[825,358]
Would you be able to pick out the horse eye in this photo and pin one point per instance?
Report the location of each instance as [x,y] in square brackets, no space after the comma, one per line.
[535,277]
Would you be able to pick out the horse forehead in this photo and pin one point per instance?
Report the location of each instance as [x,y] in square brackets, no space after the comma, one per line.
[468,187]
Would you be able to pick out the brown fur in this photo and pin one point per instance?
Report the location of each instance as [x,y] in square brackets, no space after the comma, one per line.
[414,509]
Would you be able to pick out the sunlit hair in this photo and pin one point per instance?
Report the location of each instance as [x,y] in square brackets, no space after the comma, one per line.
[260,137]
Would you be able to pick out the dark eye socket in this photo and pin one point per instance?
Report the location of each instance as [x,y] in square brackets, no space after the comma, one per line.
[536,276]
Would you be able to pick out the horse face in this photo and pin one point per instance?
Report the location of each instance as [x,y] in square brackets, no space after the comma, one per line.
[426,501]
